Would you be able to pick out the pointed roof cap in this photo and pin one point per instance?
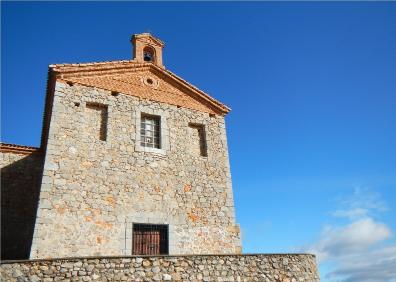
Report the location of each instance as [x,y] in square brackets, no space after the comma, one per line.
[147,35]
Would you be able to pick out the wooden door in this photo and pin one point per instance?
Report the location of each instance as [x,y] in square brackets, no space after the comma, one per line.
[146,242]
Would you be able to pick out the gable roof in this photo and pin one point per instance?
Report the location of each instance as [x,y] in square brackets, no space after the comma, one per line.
[113,76]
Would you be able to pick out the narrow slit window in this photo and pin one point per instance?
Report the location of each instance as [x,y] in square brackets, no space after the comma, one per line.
[150,131]
[97,116]
[198,139]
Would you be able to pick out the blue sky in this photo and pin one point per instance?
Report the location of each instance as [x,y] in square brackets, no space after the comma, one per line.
[312,86]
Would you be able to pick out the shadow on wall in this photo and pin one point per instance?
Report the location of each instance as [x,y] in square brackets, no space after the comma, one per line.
[20,189]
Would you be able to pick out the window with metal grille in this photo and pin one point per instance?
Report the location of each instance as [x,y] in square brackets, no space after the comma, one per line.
[150,239]
[150,131]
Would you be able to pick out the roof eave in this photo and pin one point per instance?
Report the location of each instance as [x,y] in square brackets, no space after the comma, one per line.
[63,70]
[18,149]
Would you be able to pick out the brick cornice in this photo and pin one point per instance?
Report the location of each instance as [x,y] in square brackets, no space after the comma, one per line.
[18,149]
[67,72]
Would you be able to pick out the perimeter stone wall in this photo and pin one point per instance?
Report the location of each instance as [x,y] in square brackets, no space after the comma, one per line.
[269,268]
[98,180]
[20,183]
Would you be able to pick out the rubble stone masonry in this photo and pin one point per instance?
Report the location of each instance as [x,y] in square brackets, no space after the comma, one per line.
[21,172]
[98,180]
[263,268]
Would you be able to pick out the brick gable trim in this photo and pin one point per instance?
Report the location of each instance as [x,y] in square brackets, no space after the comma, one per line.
[18,149]
[79,73]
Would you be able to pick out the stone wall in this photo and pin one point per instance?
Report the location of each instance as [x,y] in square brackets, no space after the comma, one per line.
[271,268]
[95,188]
[20,184]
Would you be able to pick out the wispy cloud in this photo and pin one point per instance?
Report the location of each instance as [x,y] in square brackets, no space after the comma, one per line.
[354,248]
[361,203]
[351,213]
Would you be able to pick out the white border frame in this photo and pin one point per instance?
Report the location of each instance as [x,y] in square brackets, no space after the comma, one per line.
[150,218]
[164,131]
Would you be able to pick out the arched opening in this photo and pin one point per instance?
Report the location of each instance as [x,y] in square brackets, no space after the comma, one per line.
[148,54]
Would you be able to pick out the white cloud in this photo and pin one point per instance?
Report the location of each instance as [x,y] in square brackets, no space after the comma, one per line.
[375,265]
[352,250]
[354,237]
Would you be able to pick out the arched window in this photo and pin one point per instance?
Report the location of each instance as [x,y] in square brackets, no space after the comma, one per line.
[148,54]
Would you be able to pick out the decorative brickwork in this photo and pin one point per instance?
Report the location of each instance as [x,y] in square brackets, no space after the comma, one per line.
[130,77]
[145,42]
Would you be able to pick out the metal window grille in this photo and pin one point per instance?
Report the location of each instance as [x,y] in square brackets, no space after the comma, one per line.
[150,239]
[150,131]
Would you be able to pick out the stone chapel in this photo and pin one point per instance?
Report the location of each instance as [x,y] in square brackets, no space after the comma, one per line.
[133,161]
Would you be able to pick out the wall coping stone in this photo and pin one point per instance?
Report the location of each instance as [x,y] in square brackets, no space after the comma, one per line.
[156,256]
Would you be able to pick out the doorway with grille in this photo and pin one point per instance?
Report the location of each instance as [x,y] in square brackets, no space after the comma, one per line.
[150,239]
